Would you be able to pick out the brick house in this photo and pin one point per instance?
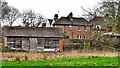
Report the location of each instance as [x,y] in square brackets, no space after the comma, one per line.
[33,39]
[73,27]
[99,26]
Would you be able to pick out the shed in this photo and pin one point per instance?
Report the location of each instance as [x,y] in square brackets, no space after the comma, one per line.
[33,39]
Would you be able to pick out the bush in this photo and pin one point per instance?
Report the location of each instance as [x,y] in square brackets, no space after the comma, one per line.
[73,46]
[65,36]
[117,46]
[6,49]
[75,40]
[86,45]
[17,58]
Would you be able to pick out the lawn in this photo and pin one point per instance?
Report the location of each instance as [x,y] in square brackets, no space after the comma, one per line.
[82,61]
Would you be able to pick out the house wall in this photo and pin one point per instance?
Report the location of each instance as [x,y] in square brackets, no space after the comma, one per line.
[73,32]
[95,32]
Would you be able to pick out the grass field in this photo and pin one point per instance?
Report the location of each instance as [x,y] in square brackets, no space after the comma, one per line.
[82,61]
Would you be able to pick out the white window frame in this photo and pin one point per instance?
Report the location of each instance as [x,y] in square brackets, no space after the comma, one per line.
[79,37]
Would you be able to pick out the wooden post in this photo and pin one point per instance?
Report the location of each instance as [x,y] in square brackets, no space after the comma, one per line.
[4,42]
[61,44]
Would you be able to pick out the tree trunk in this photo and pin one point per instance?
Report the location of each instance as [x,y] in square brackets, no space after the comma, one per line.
[118,24]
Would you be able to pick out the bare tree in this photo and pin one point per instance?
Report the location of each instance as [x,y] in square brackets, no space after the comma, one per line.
[28,18]
[4,9]
[31,19]
[39,19]
[89,13]
[12,16]
[118,22]
[110,10]
[104,8]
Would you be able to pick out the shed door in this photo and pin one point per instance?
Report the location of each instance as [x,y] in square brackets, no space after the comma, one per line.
[25,43]
[40,44]
[33,44]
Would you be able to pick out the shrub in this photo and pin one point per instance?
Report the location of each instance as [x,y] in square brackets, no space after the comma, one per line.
[65,36]
[26,58]
[6,49]
[75,40]
[86,45]
[17,58]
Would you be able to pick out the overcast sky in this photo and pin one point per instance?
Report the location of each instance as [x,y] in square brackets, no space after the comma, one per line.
[50,7]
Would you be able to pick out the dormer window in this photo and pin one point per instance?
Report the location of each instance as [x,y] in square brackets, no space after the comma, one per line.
[79,28]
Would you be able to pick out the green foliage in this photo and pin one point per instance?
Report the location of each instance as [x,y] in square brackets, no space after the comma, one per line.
[65,36]
[26,58]
[6,49]
[82,61]
[75,40]
[17,58]
[86,45]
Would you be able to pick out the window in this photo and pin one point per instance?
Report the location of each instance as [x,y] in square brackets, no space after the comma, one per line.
[85,28]
[15,43]
[79,37]
[79,28]
[40,40]
[51,43]
[85,37]
[98,27]
[70,26]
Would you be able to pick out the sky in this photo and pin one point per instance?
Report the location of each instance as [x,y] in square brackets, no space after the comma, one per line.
[50,7]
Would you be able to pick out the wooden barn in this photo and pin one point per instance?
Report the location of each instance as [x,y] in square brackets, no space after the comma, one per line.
[33,39]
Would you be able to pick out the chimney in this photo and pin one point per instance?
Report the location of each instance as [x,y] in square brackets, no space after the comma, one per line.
[70,16]
[55,17]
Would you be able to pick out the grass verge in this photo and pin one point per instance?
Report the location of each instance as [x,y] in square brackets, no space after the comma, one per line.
[82,61]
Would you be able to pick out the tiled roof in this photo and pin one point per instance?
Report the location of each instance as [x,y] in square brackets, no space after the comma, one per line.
[98,21]
[75,21]
[32,32]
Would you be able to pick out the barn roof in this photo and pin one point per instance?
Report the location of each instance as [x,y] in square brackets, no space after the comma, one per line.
[32,32]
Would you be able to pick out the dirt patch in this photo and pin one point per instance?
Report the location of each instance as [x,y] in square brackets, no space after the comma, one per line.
[52,55]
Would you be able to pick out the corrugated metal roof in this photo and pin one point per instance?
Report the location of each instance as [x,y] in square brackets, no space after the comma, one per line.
[32,32]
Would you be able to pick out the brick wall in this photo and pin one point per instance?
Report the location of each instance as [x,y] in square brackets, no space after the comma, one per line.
[73,32]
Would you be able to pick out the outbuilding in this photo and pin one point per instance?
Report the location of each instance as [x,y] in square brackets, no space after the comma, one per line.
[33,39]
